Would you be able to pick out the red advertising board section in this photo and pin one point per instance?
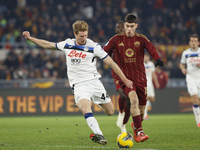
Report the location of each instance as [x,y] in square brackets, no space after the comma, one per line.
[21,102]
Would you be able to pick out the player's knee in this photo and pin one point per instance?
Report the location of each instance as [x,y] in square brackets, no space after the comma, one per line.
[110,112]
[134,101]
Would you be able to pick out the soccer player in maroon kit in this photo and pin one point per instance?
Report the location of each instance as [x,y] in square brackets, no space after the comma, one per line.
[130,48]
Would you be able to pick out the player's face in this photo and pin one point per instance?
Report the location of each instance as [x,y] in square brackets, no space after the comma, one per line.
[130,29]
[194,43]
[81,37]
[119,29]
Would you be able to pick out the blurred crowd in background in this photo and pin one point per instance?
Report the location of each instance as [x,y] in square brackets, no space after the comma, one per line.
[164,22]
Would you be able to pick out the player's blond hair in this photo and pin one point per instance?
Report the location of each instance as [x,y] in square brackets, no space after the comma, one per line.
[80,26]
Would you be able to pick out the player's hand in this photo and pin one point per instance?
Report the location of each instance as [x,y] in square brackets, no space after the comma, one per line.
[129,83]
[198,65]
[26,34]
[184,71]
[159,62]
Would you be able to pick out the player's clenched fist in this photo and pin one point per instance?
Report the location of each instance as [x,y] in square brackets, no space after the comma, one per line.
[26,34]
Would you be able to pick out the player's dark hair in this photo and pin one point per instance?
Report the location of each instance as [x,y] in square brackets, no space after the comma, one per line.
[194,36]
[130,18]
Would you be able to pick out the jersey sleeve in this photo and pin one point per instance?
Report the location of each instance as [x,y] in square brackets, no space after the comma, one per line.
[99,52]
[61,45]
[108,47]
[183,58]
[150,48]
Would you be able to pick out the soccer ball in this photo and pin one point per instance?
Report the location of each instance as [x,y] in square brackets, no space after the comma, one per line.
[125,140]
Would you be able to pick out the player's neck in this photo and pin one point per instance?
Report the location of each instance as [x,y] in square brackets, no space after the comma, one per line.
[194,49]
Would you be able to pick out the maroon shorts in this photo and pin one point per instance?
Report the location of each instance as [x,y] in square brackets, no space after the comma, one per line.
[116,81]
[139,88]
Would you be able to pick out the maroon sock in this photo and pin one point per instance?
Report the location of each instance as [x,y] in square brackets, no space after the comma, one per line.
[127,115]
[121,103]
[137,123]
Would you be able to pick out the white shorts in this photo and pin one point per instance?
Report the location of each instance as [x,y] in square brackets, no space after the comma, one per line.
[150,90]
[193,88]
[92,90]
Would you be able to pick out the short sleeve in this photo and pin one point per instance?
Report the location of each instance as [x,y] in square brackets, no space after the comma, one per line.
[99,52]
[183,59]
[61,45]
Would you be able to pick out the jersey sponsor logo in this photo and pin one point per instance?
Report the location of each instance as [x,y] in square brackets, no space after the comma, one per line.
[75,61]
[129,52]
[137,44]
[130,60]
[74,53]
[194,60]
[121,44]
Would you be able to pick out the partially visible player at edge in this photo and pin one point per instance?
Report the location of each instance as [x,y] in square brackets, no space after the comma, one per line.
[130,48]
[82,73]
[190,66]
[119,29]
[151,77]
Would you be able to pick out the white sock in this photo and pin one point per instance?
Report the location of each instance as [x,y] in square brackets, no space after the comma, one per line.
[123,128]
[196,112]
[92,123]
[148,104]
[120,119]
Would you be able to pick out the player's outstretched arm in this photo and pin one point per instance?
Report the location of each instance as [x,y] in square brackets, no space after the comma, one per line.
[42,43]
[108,60]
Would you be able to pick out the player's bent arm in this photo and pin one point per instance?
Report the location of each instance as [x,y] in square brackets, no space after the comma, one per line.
[118,71]
[41,43]
[183,69]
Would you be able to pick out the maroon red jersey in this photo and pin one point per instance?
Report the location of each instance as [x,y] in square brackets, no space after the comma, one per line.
[128,53]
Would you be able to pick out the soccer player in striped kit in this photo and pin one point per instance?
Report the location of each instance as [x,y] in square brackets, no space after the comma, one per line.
[130,48]
[190,66]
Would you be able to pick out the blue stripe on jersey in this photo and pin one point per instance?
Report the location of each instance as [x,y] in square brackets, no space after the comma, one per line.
[104,57]
[81,48]
[192,55]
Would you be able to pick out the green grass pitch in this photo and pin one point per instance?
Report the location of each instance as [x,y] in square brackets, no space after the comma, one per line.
[166,132]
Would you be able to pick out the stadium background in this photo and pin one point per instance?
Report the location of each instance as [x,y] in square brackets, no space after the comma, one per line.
[33,81]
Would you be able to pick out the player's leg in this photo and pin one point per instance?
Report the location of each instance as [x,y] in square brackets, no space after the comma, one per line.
[150,100]
[108,108]
[134,97]
[148,107]
[126,116]
[196,111]
[97,135]
[82,95]
[122,109]
[194,91]
[84,106]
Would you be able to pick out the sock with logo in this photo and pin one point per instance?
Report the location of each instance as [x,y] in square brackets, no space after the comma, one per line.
[92,123]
